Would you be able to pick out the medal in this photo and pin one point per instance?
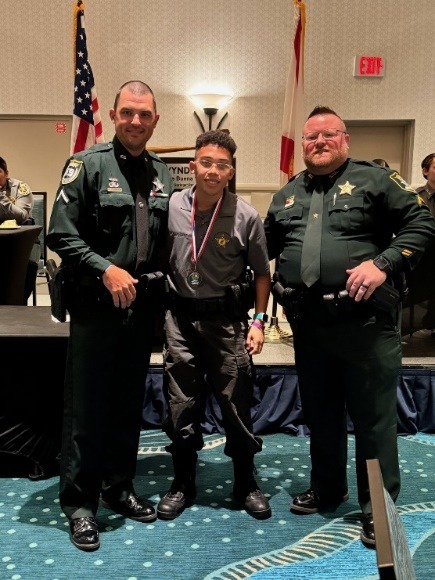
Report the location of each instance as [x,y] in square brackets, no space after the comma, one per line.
[194,279]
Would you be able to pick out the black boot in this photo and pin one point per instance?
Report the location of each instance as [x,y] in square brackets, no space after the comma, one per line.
[246,491]
[182,492]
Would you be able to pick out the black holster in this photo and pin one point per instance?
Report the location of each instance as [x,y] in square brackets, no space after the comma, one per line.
[284,296]
[386,297]
[240,298]
[61,284]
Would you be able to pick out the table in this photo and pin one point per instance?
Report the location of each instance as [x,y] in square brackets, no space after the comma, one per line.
[33,351]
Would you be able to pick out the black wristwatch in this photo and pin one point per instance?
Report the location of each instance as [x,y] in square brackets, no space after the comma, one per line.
[262,316]
[383,264]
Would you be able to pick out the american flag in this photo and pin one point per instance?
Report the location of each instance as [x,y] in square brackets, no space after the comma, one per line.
[293,118]
[87,128]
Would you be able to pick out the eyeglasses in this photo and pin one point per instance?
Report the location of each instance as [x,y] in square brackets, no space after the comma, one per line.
[220,165]
[327,134]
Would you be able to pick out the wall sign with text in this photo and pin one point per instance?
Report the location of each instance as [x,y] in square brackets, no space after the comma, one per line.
[369,66]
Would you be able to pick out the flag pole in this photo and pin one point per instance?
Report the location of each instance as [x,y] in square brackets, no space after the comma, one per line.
[292,129]
[87,128]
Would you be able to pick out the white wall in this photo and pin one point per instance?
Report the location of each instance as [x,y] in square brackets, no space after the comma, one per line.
[172,45]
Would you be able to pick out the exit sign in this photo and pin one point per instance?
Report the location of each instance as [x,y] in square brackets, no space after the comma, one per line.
[369,66]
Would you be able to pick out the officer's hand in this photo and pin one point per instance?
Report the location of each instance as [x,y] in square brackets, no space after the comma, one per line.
[121,286]
[254,340]
[363,280]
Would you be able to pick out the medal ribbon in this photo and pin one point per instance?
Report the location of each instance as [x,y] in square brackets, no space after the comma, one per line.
[196,255]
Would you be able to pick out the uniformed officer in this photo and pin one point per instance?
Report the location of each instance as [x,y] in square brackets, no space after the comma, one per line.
[109,225]
[214,236]
[16,198]
[341,229]
[427,191]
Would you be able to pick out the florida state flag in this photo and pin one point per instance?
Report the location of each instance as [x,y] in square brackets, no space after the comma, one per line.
[293,119]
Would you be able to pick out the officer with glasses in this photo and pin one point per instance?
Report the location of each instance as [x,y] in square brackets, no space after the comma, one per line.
[214,236]
[345,231]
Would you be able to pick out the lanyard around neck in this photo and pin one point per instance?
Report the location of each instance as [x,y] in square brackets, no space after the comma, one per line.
[196,255]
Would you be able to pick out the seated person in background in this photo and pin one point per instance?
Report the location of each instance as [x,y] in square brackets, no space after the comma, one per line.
[427,192]
[16,198]
[16,203]
[381,162]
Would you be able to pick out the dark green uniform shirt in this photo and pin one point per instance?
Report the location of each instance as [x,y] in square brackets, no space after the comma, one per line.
[93,220]
[368,211]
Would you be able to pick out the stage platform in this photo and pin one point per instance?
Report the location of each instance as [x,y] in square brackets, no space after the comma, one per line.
[418,350]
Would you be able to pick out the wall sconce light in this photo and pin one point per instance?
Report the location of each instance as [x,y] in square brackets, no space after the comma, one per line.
[210,103]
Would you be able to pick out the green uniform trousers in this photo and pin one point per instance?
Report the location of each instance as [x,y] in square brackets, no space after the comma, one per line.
[108,357]
[350,365]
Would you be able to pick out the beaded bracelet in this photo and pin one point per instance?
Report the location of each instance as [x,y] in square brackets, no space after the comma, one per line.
[258,324]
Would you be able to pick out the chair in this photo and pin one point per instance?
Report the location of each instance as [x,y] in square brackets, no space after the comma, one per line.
[15,248]
[39,252]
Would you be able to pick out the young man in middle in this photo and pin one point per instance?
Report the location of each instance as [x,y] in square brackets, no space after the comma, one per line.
[214,237]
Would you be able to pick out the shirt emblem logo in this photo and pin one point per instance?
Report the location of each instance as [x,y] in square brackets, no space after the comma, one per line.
[72,171]
[158,187]
[113,185]
[222,239]
[346,188]
[113,182]
[290,201]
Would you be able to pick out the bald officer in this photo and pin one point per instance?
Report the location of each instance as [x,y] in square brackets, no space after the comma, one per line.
[109,226]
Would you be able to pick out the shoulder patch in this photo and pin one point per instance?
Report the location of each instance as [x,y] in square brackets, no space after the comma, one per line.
[24,189]
[72,171]
[398,180]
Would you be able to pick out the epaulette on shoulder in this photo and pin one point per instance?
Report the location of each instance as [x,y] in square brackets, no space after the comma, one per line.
[98,148]
[294,177]
[368,164]
[155,157]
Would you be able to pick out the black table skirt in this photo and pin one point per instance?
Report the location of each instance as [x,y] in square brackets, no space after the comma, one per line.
[277,407]
[31,396]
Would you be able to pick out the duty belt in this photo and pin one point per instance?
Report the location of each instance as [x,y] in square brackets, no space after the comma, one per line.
[329,306]
[197,306]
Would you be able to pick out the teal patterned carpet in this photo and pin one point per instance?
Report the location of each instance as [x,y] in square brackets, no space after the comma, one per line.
[213,540]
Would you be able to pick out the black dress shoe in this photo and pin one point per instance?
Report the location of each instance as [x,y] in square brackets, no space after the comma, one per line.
[133,508]
[84,533]
[173,504]
[368,531]
[255,503]
[309,502]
